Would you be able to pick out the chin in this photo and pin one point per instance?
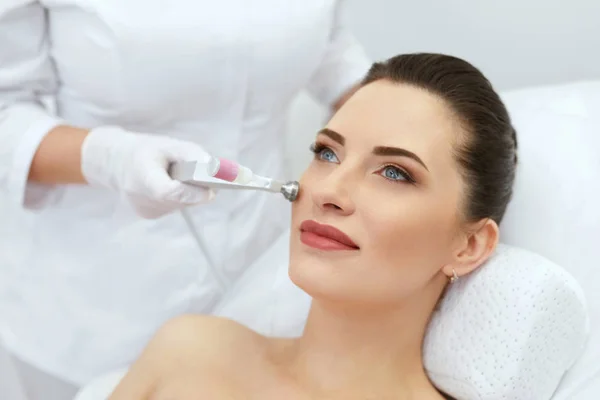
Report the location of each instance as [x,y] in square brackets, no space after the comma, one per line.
[320,279]
[312,277]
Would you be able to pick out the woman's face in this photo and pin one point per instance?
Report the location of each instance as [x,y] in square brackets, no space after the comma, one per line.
[384,175]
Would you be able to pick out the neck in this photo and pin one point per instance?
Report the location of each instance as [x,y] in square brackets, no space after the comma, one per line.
[348,349]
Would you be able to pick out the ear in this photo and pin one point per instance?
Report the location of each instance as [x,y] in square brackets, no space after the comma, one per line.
[477,247]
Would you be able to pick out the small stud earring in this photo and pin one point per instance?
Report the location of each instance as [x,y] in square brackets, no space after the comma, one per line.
[454,277]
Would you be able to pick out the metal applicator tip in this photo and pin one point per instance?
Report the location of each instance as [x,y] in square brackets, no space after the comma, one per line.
[290,190]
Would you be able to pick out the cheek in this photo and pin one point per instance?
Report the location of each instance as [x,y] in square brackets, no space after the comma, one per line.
[408,236]
[303,201]
[310,180]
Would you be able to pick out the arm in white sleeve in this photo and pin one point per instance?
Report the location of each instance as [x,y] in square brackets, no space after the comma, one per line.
[26,77]
[39,151]
[343,66]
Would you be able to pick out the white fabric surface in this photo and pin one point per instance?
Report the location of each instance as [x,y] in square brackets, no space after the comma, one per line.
[83,282]
[555,211]
[38,385]
[11,386]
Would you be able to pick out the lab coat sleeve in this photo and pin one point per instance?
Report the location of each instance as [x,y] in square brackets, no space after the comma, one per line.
[27,79]
[343,65]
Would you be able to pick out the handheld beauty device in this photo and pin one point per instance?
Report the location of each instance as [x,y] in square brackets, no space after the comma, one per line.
[220,173]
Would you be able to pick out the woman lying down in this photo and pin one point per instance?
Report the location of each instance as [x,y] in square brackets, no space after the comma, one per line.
[409,182]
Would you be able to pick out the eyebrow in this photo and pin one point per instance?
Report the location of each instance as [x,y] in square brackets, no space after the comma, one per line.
[379,150]
[333,135]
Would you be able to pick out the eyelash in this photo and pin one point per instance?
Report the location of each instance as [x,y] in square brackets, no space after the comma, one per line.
[318,148]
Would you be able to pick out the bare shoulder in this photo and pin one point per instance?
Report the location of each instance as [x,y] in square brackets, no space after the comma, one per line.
[188,326]
[207,335]
[189,349]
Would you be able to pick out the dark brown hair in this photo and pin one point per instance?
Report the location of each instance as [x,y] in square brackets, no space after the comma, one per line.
[488,154]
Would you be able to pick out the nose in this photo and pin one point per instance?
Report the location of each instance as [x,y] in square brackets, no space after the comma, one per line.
[333,193]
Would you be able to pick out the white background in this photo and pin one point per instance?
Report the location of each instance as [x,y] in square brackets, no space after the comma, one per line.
[515,43]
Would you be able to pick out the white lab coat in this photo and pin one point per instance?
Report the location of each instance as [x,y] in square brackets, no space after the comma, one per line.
[84,283]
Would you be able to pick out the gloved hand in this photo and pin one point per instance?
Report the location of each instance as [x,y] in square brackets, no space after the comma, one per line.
[135,164]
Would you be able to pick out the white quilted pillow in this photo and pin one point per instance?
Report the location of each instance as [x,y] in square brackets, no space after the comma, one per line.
[508,331]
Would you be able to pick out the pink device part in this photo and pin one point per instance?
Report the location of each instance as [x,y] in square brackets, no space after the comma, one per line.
[228,170]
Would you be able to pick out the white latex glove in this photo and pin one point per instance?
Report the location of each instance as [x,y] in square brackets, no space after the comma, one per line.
[135,165]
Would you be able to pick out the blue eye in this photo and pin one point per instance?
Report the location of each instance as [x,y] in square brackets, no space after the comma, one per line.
[324,153]
[394,173]
[328,155]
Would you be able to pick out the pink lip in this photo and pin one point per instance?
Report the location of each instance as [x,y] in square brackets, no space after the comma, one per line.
[325,237]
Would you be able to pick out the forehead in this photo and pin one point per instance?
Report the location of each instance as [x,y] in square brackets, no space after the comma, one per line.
[398,115]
